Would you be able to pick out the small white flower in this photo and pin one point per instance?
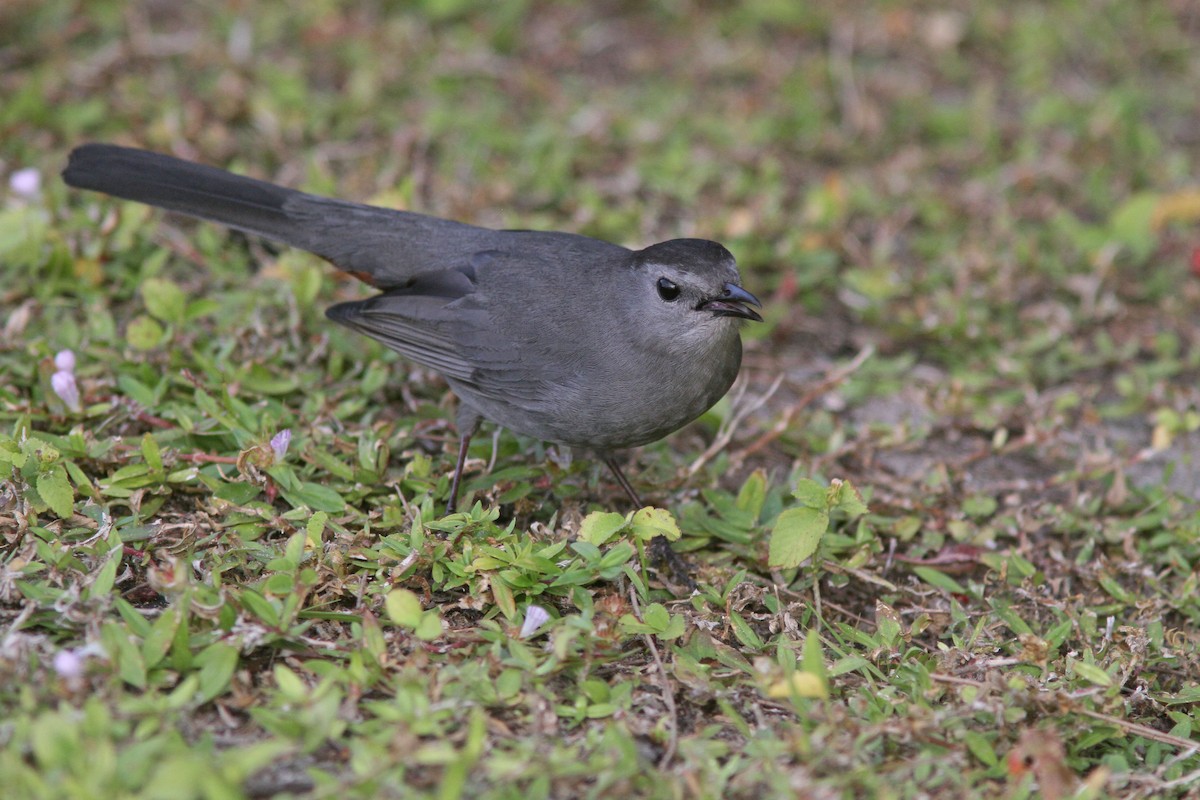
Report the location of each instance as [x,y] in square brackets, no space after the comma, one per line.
[64,361]
[280,442]
[69,664]
[64,386]
[535,617]
[25,182]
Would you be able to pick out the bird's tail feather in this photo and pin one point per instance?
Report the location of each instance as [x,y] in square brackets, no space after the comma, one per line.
[384,247]
[188,188]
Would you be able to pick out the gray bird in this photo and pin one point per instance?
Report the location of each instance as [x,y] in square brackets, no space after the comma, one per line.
[556,336]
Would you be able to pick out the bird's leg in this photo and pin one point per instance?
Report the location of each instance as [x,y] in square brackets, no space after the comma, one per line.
[468,424]
[621,479]
[660,548]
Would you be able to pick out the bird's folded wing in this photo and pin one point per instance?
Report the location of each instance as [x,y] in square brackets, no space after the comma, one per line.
[417,321]
[443,321]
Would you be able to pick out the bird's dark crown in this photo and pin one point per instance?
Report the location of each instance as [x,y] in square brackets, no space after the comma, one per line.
[686,254]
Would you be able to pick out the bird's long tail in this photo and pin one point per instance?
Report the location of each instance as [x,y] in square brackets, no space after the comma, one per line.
[384,247]
[188,188]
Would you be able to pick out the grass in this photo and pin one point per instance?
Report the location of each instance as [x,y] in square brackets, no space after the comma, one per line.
[975,227]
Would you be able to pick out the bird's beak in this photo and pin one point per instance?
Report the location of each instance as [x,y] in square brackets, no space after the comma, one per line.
[732,302]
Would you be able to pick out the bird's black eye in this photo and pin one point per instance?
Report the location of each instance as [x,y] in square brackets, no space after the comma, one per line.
[667,290]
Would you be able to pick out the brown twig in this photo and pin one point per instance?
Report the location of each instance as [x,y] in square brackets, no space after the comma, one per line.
[205,458]
[1135,728]
[668,695]
[1142,730]
[780,427]
[728,428]
[152,421]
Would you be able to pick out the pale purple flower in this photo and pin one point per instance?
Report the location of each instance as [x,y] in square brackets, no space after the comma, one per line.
[535,617]
[64,386]
[280,442]
[69,664]
[64,361]
[26,182]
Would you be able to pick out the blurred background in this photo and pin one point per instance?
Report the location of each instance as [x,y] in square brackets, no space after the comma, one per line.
[1000,199]
[976,230]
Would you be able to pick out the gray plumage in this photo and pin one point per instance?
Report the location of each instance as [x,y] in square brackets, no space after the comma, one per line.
[553,335]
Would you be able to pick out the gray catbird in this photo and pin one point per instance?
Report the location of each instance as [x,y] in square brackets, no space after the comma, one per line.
[553,335]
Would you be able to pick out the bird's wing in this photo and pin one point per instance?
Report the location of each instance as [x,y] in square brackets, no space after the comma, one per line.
[481,325]
[418,320]
[524,349]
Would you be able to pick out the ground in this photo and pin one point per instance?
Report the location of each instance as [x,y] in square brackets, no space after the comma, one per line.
[976,231]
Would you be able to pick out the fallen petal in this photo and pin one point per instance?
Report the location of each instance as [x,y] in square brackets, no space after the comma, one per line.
[280,442]
[64,386]
[64,361]
[25,182]
[535,617]
[68,664]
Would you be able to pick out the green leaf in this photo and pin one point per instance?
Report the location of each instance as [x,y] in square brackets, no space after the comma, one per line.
[939,579]
[981,748]
[403,608]
[753,494]
[503,595]
[259,380]
[279,584]
[850,500]
[629,624]
[259,606]
[11,453]
[812,659]
[151,453]
[1092,673]
[237,493]
[1004,610]
[201,308]
[22,230]
[121,649]
[887,629]
[811,493]
[799,684]
[46,453]
[138,624]
[143,333]
[850,664]
[217,663]
[650,522]
[373,640]
[744,633]
[1059,633]
[294,551]
[1106,581]
[796,534]
[600,526]
[1187,694]
[161,635]
[290,685]
[1132,224]
[316,526]
[164,300]
[314,496]
[430,626]
[675,629]
[137,391]
[979,506]
[657,616]
[617,555]
[55,490]
[103,582]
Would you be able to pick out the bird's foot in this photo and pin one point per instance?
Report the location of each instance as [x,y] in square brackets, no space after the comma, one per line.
[671,562]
